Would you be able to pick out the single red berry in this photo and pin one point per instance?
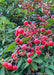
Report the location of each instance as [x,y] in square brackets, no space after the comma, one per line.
[17,39]
[37,48]
[5,64]
[38,52]
[32,53]
[43,42]
[30,44]
[34,0]
[15,58]
[10,66]
[18,52]
[20,42]
[28,54]
[25,33]
[36,41]
[42,46]
[21,30]
[22,54]
[46,44]
[14,67]
[49,31]
[44,38]
[30,21]
[17,30]
[26,23]
[16,34]
[50,39]
[13,55]
[50,43]
[29,60]
[32,49]
[40,18]
[42,29]
[23,47]
[37,15]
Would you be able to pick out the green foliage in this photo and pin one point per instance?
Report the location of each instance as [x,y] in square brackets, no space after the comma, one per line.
[11,15]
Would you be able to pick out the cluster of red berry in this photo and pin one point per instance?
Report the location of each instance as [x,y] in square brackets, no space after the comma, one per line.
[37,37]
[9,66]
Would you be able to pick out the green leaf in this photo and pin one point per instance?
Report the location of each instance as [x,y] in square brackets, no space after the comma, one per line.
[19,63]
[38,60]
[3,17]
[46,56]
[2,0]
[48,71]
[26,65]
[51,67]
[2,71]
[50,21]
[15,74]
[34,66]
[3,41]
[25,39]
[10,46]
[34,56]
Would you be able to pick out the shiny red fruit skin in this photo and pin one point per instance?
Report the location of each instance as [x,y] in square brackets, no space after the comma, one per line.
[38,52]
[36,41]
[23,47]
[29,60]
[5,64]
[14,67]
[50,43]
[26,23]
[28,54]
[10,66]
[42,46]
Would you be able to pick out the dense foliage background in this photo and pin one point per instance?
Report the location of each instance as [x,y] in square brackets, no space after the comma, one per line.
[13,14]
